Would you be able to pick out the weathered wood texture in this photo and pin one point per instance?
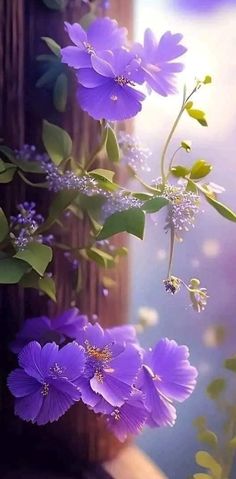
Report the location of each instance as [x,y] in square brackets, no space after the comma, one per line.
[22,108]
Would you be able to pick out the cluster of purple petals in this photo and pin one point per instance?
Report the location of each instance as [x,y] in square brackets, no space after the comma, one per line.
[24,226]
[108,71]
[67,359]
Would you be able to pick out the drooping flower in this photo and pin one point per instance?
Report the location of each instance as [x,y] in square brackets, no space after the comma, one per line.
[128,419]
[119,202]
[44,385]
[156,60]
[110,367]
[25,224]
[198,295]
[134,154]
[107,91]
[166,376]
[44,329]
[172,284]
[103,34]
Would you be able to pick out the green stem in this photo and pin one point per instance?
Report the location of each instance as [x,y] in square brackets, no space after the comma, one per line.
[172,245]
[99,148]
[173,157]
[169,138]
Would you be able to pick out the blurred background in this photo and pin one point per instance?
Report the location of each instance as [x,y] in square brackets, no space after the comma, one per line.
[209,29]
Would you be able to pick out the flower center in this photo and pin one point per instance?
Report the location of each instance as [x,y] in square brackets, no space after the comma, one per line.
[122,80]
[89,48]
[45,389]
[56,369]
[99,376]
[116,414]
[98,354]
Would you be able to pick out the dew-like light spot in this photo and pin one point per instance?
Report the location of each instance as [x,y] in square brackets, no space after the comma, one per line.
[211,248]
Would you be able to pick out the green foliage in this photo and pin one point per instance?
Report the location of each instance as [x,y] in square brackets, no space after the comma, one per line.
[52,45]
[12,270]
[208,437]
[4,228]
[224,211]
[57,142]
[7,175]
[230,364]
[60,92]
[56,4]
[37,255]
[100,257]
[200,169]
[207,80]
[204,459]
[106,175]
[44,284]
[60,202]
[215,388]
[112,147]
[155,204]
[198,115]
[201,475]
[24,165]
[132,221]
[180,171]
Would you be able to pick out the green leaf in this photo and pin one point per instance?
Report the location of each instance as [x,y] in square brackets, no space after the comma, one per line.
[200,169]
[26,166]
[2,166]
[112,147]
[12,270]
[208,437]
[230,364]
[204,459]
[52,45]
[36,255]
[222,209]
[104,174]
[57,142]
[132,221]
[155,204]
[142,196]
[60,92]
[186,145]
[47,285]
[122,251]
[56,4]
[7,175]
[47,78]
[198,115]
[60,202]
[215,388]
[180,171]
[100,257]
[232,443]
[4,228]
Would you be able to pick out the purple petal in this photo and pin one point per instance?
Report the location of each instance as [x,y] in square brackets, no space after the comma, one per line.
[125,366]
[76,58]
[105,34]
[88,78]
[102,66]
[29,406]
[70,323]
[72,359]
[170,364]
[55,404]
[103,407]
[150,44]
[129,419]
[76,34]
[30,360]
[110,101]
[32,330]
[88,396]
[93,333]
[67,387]
[160,82]
[123,334]
[161,411]
[20,384]
[111,389]
[49,355]
[169,48]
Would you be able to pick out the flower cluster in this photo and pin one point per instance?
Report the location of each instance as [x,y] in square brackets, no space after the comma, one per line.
[118,202]
[67,359]
[30,153]
[134,154]
[24,226]
[108,71]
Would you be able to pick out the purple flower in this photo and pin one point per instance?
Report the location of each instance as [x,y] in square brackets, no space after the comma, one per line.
[44,329]
[107,91]
[129,418]
[123,334]
[103,34]
[44,385]
[166,376]
[156,60]
[110,367]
